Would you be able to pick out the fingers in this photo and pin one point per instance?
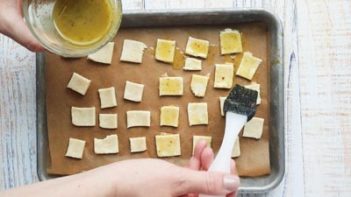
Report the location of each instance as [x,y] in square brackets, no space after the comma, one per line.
[194,162]
[206,158]
[199,148]
[233,171]
[214,183]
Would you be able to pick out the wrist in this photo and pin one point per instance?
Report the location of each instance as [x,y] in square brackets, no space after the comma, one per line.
[106,181]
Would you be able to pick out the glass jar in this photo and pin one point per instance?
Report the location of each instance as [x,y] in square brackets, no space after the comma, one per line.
[39,19]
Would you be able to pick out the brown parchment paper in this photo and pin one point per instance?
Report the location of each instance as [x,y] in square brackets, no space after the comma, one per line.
[254,159]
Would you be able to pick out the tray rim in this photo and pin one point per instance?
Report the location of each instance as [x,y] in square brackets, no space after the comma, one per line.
[41,126]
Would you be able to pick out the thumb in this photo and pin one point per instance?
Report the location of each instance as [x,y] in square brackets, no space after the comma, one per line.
[208,183]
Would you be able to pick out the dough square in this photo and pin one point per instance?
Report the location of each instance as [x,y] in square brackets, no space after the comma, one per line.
[75,148]
[248,66]
[197,47]
[171,86]
[197,138]
[230,41]
[236,148]
[103,55]
[138,118]
[132,51]
[224,76]
[107,97]
[256,87]
[169,116]
[168,145]
[83,116]
[165,50]
[254,128]
[78,83]
[221,104]
[107,145]
[137,144]
[108,121]
[199,85]
[197,114]
[192,64]
[133,91]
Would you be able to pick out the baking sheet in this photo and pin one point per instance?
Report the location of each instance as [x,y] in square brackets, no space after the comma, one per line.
[254,160]
[267,181]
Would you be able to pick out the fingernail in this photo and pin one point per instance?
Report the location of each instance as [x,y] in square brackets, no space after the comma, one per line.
[230,182]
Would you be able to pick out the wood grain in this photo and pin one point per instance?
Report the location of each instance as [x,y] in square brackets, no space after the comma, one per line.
[17,115]
[325,90]
[318,95]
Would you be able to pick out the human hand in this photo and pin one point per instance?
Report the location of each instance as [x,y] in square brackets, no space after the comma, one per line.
[144,177]
[140,177]
[13,25]
[203,158]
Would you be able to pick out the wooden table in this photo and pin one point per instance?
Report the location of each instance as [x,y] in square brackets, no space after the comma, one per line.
[317,36]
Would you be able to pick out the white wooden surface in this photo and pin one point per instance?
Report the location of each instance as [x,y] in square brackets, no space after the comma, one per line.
[318,95]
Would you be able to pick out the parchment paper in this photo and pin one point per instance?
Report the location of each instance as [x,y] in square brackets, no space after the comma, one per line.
[254,159]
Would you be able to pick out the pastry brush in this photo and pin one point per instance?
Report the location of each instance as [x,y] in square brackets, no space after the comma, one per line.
[239,107]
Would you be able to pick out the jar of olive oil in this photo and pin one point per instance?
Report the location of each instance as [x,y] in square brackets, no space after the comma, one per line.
[73,28]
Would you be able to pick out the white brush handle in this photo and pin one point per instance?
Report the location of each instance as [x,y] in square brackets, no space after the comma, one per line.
[233,124]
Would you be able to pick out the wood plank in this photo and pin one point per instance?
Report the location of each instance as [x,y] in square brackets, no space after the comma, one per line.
[186,4]
[17,115]
[133,4]
[156,4]
[218,4]
[293,184]
[325,86]
[318,79]
[173,4]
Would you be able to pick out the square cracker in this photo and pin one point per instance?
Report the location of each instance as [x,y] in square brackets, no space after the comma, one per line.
[169,116]
[197,114]
[79,84]
[107,97]
[108,121]
[171,86]
[197,47]
[254,128]
[83,116]
[75,148]
[133,91]
[224,76]
[198,85]
[138,118]
[230,41]
[103,55]
[236,149]
[165,50]
[107,145]
[137,144]
[248,66]
[132,51]
[168,145]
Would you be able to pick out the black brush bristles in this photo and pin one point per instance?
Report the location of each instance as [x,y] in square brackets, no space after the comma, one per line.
[241,101]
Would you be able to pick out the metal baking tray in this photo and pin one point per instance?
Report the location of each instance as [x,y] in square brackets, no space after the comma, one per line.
[203,17]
